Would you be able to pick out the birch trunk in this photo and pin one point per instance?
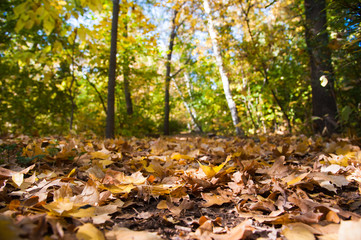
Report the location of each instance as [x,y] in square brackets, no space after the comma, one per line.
[190,110]
[231,104]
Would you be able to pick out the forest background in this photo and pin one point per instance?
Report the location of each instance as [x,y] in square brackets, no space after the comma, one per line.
[55,58]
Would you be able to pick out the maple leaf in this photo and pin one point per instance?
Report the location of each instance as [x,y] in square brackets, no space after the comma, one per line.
[211,171]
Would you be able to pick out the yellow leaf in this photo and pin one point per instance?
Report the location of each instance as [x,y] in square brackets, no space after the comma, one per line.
[82,34]
[18,179]
[29,24]
[71,172]
[19,25]
[89,232]
[119,188]
[212,171]
[60,206]
[80,213]
[104,163]
[297,179]
[57,47]
[127,234]
[99,155]
[48,24]
[62,3]
[178,156]
[298,231]
[20,9]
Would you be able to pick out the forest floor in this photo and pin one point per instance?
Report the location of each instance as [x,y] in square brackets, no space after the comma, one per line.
[180,187]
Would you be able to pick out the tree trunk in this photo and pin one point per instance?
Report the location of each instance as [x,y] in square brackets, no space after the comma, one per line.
[190,110]
[109,133]
[324,107]
[71,92]
[167,74]
[231,104]
[125,63]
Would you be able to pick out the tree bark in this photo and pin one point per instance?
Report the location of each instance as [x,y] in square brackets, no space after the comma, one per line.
[71,92]
[167,74]
[190,110]
[324,106]
[109,133]
[219,61]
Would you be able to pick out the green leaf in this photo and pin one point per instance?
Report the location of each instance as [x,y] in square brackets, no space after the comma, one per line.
[20,9]
[49,24]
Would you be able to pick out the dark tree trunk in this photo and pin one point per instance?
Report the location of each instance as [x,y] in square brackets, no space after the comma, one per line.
[73,80]
[324,107]
[167,75]
[109,133]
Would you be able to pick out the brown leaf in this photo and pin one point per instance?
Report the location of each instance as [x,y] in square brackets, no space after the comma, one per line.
[241,231]
[213,199]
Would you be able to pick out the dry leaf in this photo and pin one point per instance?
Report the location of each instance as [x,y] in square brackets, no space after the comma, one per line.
[120,233]
[89,232]
[213,199]
[241,231]
[350,230]
[211,171]
[298,231]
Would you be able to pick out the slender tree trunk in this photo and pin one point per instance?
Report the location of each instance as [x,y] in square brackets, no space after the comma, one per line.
[167,74]
[189,85]
[264,70]
[109,133]
[190,110]
[98,94]
[71,93]
[126,62]
[324,106]
[219,61]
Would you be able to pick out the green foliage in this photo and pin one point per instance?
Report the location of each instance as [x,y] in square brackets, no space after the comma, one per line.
[54,63]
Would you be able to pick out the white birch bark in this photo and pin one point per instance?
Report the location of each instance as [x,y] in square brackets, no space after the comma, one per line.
[190,109]
[231,104]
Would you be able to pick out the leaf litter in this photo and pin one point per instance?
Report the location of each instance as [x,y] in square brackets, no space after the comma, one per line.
[180,187]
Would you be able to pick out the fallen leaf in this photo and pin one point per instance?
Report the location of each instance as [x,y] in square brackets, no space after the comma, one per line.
[241,231]
[213,199]
[298,231]
[120,233]
[18,179]
[350,230]
[211,171]
[89,232]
